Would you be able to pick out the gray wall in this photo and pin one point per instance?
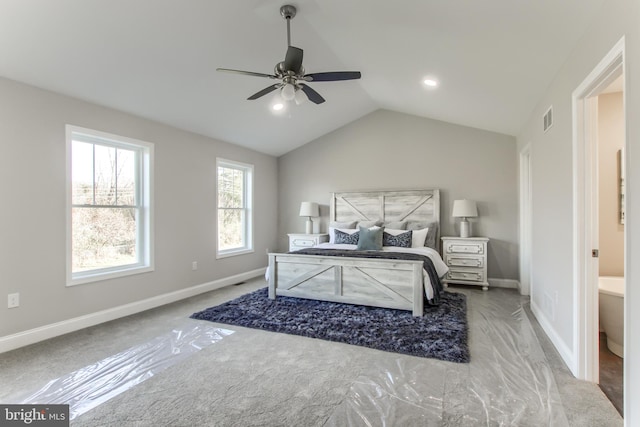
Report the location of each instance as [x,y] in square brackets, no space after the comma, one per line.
[388,150]
[552,175]
[33,194]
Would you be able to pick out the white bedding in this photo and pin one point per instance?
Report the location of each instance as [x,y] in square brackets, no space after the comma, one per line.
[438,263]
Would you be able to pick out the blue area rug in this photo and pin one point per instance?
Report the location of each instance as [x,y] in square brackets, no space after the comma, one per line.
[440,334]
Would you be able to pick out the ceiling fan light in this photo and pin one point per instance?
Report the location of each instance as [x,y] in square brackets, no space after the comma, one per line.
[300,97]
[288,92]
[429,82]
[277,107]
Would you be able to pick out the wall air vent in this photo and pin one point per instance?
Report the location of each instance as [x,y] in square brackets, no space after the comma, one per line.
[547,119]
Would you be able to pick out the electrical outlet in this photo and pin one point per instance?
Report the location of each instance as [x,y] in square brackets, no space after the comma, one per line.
[194,265]
[13,300]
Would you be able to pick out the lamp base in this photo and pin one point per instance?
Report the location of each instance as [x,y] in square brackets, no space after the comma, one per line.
[465,228]
[309,226]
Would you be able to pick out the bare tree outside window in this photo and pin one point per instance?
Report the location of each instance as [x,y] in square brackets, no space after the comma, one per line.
[104,211]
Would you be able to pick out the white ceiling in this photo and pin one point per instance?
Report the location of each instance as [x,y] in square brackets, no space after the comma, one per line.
[157,59]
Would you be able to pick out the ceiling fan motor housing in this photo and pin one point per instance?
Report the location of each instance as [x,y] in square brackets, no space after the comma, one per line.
[280,71]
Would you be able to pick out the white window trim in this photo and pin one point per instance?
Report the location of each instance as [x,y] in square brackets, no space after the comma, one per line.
[249,248]
[146,240]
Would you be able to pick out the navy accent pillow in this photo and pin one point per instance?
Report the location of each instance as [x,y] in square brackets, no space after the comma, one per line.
[346,238]
[401,240]
[370,239]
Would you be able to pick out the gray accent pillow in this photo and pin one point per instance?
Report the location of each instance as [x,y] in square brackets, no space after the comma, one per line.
[432,241]
[346,238]
[370,239]
[414,225]
[401,240]
[343,224]
[397,225]
[368,224]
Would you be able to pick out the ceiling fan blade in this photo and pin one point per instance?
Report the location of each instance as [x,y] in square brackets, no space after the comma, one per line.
[313,96]
[264,91]
[293,59]
[246,73]
[332,76]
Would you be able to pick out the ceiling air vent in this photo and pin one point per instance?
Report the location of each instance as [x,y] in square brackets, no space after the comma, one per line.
[548,119]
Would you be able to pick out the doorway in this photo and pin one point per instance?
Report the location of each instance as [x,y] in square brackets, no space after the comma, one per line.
[586,209]
[611,257]
[525,220]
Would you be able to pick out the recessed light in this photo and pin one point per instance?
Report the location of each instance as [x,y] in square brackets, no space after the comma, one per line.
[430,82]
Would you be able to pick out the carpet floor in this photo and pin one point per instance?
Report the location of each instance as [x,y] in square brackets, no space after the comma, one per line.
[259,378]
[441,333]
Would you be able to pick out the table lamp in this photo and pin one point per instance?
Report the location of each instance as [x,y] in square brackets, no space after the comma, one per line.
[309,209]
[465,209]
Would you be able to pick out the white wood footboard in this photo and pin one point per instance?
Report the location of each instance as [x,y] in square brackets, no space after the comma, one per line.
[385,283]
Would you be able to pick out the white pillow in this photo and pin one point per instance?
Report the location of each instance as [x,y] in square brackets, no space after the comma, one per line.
[418,237]
[332,234]
[394,231]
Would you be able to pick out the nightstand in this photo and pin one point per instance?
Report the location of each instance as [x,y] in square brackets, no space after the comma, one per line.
[466,258]
[302,241]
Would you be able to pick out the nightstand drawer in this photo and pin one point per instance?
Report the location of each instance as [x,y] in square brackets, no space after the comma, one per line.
[469,276]
[303,243]
[464,248]
[460,261]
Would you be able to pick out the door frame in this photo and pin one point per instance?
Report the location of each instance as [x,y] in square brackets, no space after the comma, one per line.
[585,210]
[525,221]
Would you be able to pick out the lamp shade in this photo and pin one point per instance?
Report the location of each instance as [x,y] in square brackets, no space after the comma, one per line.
[309,209]
[464,209]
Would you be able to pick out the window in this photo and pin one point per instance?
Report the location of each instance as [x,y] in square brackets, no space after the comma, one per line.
[234,208]
[109,217]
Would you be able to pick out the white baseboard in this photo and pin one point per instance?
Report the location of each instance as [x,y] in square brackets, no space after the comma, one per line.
[565,352]
[32,336]
[504,283]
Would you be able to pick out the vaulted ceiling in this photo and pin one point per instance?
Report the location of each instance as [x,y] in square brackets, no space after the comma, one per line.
[158,58]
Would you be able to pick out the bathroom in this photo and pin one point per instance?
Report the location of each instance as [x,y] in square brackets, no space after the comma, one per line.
[611,135]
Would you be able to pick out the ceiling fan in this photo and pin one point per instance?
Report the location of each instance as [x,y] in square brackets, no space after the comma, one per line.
[291,73]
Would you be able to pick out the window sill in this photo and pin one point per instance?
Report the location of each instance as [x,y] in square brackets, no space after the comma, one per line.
[88,277]
[231,253]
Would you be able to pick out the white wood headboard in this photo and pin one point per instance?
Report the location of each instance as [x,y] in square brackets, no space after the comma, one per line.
[385,205]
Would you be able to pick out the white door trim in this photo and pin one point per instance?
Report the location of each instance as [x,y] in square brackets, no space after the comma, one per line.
[585,234]
[525,221]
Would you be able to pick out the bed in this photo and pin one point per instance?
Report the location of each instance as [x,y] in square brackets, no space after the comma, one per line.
[394,277]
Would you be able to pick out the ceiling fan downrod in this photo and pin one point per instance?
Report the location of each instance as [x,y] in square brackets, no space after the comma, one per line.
[288,12]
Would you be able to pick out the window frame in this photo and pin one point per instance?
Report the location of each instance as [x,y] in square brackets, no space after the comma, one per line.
[144,206]
[248,174]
